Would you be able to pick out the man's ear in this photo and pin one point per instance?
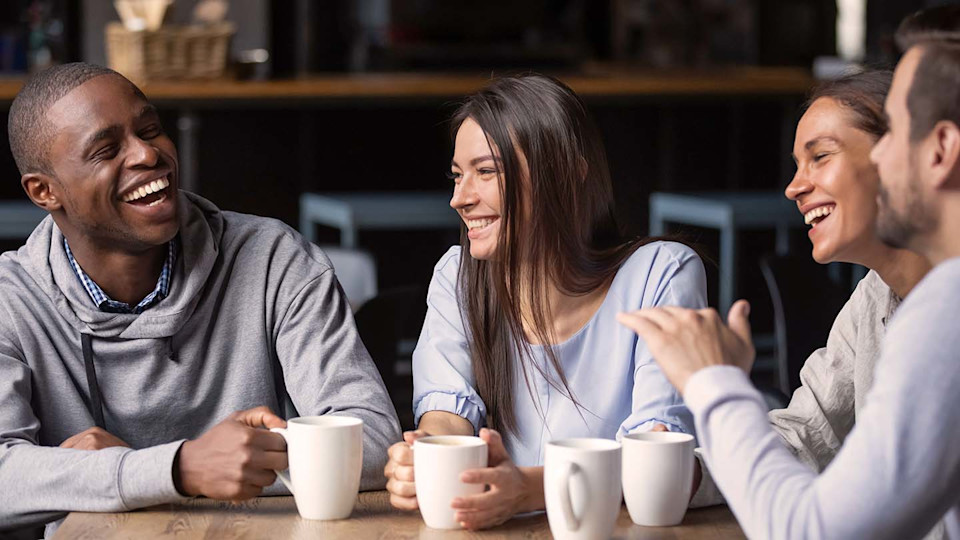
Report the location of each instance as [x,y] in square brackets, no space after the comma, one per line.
[40,188]
[945,154]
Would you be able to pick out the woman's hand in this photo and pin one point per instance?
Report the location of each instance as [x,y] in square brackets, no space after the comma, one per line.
[399,472]
[511,490]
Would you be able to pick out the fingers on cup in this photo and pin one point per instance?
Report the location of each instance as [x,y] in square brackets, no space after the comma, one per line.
[401,453]
[475,520]
[402,489]
[403,503]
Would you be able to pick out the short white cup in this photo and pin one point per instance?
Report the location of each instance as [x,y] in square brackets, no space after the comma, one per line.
[657,476]
[437,464]
[325,455]
[581,484]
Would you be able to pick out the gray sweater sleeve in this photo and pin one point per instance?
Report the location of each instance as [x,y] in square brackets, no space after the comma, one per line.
[42,483]
[327,370]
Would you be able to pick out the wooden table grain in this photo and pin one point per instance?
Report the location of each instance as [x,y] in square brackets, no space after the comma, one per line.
[373,517]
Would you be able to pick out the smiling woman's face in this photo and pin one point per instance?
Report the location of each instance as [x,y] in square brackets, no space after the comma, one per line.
[835,186]
[476,190]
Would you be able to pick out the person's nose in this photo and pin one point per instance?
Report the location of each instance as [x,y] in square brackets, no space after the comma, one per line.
[464,193]
[799,186]
[143,153]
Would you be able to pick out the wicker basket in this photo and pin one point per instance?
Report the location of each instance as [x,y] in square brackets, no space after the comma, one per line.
[175,52]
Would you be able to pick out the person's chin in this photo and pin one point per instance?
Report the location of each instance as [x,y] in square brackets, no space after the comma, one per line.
[823,254]
[481,253]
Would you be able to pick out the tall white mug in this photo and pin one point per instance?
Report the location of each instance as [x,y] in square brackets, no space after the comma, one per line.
[325,455]
[657,476]
[581,484]
[437,464]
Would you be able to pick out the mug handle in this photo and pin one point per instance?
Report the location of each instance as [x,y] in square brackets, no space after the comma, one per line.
[284,476]
[573,522]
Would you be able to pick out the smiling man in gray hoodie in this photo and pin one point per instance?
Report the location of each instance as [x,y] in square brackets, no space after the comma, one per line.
[145,335]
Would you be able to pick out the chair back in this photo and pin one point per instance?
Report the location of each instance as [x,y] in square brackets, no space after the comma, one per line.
[357,272]
[389,325]
[805,303]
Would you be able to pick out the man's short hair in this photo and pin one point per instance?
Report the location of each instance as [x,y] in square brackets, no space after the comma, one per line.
[27,125]
[937,24]
[935,93]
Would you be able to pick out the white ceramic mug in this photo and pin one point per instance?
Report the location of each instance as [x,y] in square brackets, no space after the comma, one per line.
[325,456]
[657,476]
[581,484]
[437,464]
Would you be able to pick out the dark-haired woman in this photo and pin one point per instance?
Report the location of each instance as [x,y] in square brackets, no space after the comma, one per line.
[835,188]
[520,337]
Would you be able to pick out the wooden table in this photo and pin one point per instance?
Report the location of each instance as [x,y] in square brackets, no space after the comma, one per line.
[373,517]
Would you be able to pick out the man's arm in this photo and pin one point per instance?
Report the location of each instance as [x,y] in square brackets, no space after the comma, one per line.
[327,370]
[898,471]
[42,483]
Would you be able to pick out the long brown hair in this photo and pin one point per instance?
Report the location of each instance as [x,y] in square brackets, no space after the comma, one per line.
[566,235]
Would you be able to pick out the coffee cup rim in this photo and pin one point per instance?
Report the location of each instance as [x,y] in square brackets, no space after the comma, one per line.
[658,437]
[463,441]
[593,444]
[325,421]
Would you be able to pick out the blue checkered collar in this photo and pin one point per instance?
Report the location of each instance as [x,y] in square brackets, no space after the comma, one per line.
[105,303]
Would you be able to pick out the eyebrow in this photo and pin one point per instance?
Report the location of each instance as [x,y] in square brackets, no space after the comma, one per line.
[100,135]
[476,160]
[107,132]
[816,140]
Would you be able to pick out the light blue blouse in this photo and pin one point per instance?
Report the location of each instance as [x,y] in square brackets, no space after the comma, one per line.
[609,370]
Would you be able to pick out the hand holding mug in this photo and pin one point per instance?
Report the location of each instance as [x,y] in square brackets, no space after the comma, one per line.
[235,459]
[399,472]
[509,493]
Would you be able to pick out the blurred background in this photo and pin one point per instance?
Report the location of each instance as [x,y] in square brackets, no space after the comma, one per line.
[331,115]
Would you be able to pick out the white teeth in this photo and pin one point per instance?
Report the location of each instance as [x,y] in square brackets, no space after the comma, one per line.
[819,211]
[147,189]
[478,223]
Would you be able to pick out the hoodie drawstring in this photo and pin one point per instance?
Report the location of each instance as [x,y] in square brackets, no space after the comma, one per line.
[96,405]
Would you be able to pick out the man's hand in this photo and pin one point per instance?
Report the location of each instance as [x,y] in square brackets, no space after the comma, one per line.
[510,491]
[93,439]
[684,341]
[236,459]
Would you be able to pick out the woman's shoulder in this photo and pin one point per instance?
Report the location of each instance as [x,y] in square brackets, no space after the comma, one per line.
[449,263]
[659,273]
[658,257]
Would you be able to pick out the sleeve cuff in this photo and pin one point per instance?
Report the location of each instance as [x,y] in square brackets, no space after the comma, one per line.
[452,403]
[715,384]
[146,476]
[647,425]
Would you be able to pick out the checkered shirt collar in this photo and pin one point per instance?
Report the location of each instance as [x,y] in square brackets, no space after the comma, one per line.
[105,303]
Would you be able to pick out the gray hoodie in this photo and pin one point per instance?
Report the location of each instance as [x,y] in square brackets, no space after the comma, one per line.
[254,314]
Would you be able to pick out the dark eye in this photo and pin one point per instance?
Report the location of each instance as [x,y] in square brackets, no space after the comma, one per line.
[107,152]
[485,172]
[455,176]
[818,157]
[151,132]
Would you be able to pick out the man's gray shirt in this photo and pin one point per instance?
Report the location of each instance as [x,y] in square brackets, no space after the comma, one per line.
[254,313]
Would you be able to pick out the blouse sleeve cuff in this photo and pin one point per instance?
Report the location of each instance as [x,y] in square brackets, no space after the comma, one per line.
[451,403]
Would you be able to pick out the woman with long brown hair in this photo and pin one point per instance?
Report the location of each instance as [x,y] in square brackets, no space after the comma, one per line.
[520,337]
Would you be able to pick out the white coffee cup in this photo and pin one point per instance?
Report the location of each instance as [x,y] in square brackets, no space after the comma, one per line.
[581,484]
[657,476]
[325,456]
[437,464]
